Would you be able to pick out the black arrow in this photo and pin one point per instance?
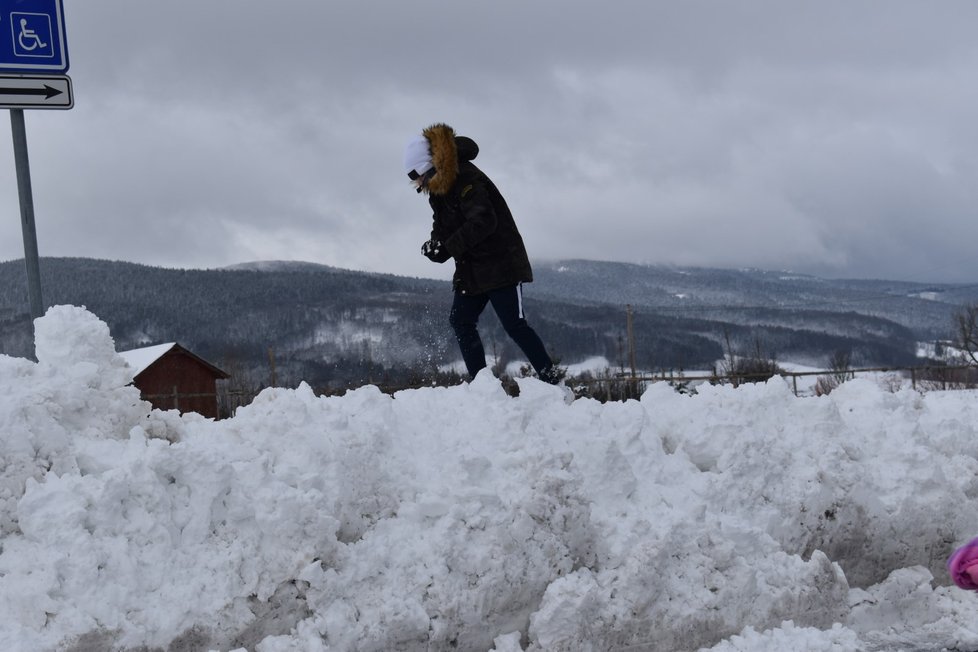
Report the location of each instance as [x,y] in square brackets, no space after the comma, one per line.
[48,92]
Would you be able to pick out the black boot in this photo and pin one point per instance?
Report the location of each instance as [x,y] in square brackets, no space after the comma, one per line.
[552,375]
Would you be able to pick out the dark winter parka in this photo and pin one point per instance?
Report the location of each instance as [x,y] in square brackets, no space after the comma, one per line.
[471,218]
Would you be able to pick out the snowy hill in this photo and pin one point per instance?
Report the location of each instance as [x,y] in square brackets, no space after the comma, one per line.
[741,295]
[462,519]
[328,326]
[281,266]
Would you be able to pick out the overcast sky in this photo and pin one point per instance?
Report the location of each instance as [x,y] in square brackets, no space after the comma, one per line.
[834,138]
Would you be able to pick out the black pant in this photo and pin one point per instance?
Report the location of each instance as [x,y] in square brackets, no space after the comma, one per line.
[508,304]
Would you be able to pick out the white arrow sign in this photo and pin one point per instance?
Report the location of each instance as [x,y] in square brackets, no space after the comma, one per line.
[35,92]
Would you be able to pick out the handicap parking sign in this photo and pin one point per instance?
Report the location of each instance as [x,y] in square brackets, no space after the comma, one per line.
[32,37]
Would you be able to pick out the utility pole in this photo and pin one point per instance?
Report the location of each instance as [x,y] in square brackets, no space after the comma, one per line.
[631,340]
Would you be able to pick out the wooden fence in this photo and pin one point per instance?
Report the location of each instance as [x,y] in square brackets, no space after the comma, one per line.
[936,376]
[624,384]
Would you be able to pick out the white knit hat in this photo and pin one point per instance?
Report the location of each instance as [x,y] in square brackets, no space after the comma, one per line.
[417,156]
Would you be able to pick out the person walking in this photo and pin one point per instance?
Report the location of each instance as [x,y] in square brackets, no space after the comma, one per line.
[472,224]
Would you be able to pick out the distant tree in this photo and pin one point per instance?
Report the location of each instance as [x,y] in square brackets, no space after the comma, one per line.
[966,331]
[840,364]
[753,367]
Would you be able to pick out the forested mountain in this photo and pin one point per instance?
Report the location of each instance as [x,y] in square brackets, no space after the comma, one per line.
[749,296]
[333,326]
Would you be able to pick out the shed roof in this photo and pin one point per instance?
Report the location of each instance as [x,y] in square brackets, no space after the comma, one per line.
[141,359]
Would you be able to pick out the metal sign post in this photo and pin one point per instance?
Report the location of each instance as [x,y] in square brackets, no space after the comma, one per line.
[34,54]
[27,211]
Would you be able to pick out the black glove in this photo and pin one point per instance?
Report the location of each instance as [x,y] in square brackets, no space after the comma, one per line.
[433,250]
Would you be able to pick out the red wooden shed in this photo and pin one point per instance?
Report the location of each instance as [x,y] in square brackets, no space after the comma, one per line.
[172,378]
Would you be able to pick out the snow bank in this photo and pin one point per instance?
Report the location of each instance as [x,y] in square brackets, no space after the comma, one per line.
[460,518]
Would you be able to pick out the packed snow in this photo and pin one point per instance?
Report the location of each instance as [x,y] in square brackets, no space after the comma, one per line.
[460,518]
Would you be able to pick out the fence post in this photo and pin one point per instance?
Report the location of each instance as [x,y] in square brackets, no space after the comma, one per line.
[176,399]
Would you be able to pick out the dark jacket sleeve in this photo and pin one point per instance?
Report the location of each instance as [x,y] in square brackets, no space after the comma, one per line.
[479,219]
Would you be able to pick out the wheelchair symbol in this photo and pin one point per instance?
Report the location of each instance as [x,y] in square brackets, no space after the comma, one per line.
[31,34]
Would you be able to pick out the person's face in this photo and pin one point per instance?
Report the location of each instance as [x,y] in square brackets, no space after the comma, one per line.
[420,181]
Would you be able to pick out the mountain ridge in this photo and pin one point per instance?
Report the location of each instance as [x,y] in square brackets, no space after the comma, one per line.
[326,324]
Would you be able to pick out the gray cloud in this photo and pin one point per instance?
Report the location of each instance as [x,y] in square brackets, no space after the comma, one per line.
[836,138]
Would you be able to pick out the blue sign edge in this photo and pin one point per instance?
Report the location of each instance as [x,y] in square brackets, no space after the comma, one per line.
[64,47]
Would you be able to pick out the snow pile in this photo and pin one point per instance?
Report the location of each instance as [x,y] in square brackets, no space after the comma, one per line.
[459,518]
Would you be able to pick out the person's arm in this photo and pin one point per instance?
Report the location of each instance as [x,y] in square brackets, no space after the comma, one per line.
[479,220]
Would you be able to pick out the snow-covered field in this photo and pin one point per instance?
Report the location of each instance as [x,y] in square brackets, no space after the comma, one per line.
[462,519]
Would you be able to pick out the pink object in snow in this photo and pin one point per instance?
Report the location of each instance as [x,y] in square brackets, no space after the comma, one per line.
[963,566]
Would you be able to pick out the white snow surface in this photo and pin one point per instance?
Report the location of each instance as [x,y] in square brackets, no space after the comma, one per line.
[140,359]
[459,518]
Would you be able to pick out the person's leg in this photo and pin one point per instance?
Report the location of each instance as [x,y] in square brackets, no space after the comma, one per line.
[508,304]
[464,319]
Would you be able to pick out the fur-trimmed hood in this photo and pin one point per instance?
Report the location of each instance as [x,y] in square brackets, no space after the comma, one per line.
[447,150]
[471,218]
